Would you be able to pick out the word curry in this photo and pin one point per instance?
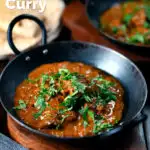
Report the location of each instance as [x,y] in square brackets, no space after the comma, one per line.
[38,5]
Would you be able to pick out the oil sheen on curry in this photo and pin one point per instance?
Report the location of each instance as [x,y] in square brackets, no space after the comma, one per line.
[128,22]
[69,99]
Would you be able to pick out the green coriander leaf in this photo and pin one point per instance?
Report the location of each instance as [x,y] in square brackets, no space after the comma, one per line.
[99,117]
[116,121]
[41,105]
[123,28]
[99,126]
[39,102]
[127,18]
[70,100]
[63,118]
[146,24]
[147,10]
[103,94]
[62,121]
[55,76]
[33,81]
[114,30]
[137,38]
[147,37]
[87,97]
[22,105]
[84,112]
[52,91]
[39,113]
[96,128]
[64,73]
[91,114]
[78,86]
[102,80]
[106,126]
[70,76]
[113,97]
[52,80]
[138,8]
[147,33]
[62,111]
[44,77]
[85,124]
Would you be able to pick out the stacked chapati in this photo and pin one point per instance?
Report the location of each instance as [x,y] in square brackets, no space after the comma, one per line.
[27,33]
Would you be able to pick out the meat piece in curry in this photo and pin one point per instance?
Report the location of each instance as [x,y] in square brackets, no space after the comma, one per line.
[69,99]
[128,22]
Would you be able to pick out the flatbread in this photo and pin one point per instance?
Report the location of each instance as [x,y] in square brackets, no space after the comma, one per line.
[28,28]
[24,26]
[27,33]
[22,43]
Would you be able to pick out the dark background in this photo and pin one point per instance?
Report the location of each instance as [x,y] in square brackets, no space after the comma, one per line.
[68,1]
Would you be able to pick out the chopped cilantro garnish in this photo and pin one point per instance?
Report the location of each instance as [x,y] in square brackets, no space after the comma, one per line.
[116,121]
[41,105]
[122,28]
[127,18]
[78,86]
[39,113]
[62,111]
[70,100]
[136,38]
[22,105]
[62,120]
[39,102]
[100,126]
[146,24]
[147,9]
[91,114]
[44,78]
[83,90]
[84,112]
[115,29]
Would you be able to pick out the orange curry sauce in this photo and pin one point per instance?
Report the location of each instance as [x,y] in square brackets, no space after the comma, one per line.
[128,22]
[50,120]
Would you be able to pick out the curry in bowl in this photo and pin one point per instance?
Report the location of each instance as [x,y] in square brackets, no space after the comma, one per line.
[69,99]
[128,22]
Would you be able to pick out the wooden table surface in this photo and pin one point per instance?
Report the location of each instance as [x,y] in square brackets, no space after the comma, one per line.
[139,137]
